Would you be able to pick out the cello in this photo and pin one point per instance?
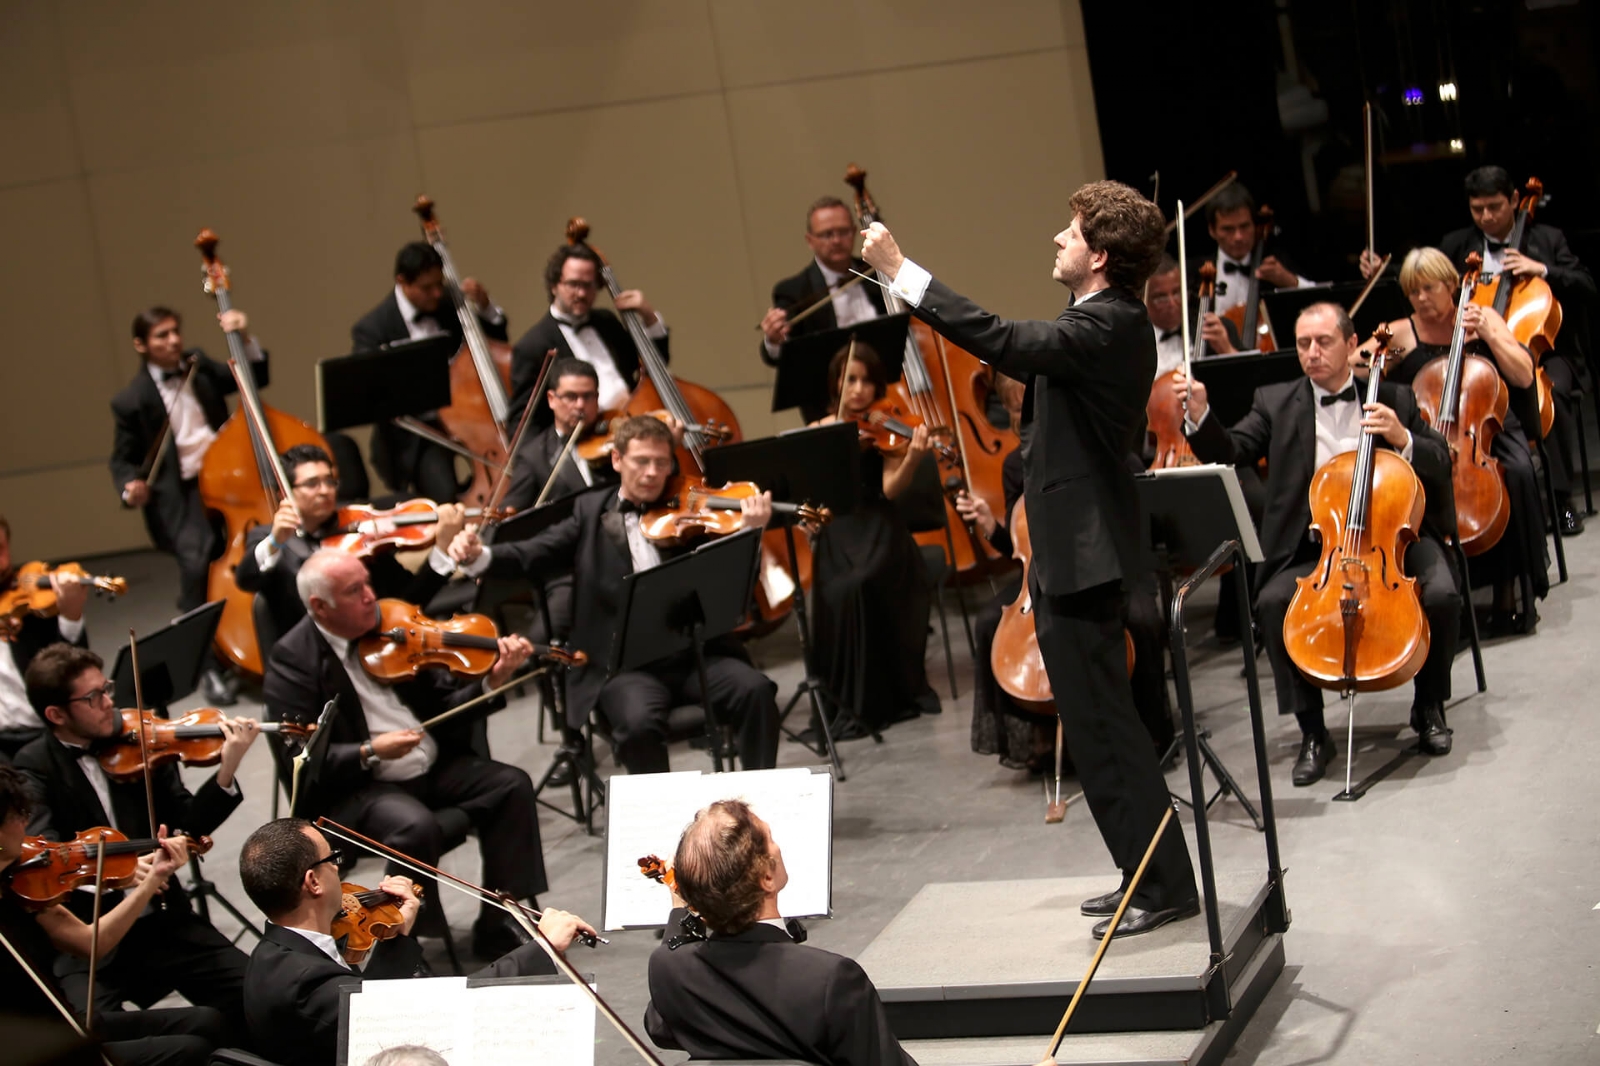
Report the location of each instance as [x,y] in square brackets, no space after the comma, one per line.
[241,477]
[1255,330]
[1355,623]
[1164,410]
[479,410]
[948,389]
[1465,399]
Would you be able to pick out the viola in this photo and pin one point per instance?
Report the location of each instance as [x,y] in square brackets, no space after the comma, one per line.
[1465,399]
[47,870]
[367,916]
[194,739]
[34,591]
[1255,329]
[690,508]
[1355,623]
[408,641]
[1164,411]
[363,530]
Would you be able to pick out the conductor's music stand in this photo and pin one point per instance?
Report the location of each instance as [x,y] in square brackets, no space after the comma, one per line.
[679,605]
[171,660]
[1198,518]
[820,466]
[802,379]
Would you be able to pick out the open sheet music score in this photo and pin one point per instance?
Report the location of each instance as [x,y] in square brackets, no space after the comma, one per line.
[647,813]
[512,1021]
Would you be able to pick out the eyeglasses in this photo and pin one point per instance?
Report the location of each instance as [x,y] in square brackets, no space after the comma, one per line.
[577,397]
[573,283]
[317,483]
[335,856]
[834,234]
[106,692]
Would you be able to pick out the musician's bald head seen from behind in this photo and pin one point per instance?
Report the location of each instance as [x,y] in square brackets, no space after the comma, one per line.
[729,868]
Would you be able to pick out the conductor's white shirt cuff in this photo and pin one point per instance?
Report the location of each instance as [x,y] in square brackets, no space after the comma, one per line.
[911,283]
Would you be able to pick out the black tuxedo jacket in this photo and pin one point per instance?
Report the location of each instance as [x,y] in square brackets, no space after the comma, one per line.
[292,991]
[794,294]
[303,674]
[537,458]
[139,416]
[527,356]
[1281,427]
[1569,279]
[1089,375]
[277,585]
[759,995]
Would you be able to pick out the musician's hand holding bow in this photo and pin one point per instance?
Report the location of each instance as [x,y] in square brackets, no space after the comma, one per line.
[882,251]
[775,325]
[401,889]
[514,651]
[1215,334]
[465,547]
[561,928]
[1381,421]
[1370,262]
[395,743]
[975,511]
[1193,395]
[756,511]
[136,493]
[285,523]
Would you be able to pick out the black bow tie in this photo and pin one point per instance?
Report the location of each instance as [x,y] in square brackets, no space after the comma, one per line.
[1230,267]
[1495,247]
[1347,396]
[574,323]
[627,506]
[174,375]
[1168,334]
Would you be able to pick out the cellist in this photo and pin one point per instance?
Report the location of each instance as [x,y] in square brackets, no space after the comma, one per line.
[1231,222]
[1298,426]
[178,394]
[1162,296]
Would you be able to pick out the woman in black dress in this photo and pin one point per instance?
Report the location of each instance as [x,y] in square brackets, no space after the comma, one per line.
[1431,283]
[869,585]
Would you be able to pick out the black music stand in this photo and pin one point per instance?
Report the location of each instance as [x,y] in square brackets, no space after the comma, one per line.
[409,378]
[1231,380]
[820,466]
[1386,303]
[803,362]
[170,663]
[679,605]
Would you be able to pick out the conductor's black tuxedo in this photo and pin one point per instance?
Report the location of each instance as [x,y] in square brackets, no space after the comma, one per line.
[403,459]
[169,948]
[794,294]
[759,995]
[1088,376]
[304,673]
[293,990]
[174,516]
[527,356]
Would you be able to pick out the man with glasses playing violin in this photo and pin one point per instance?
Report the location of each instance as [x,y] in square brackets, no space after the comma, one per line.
[274,554]
[293,989]
[383,773]
[169,948]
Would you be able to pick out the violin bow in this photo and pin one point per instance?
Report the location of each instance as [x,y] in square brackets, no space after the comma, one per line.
[1372,283]
[822,301]
[166,426]
[94,925]
[566,451]
[844,376]
[503,482]
[475,701]
[49,994]
[144,747]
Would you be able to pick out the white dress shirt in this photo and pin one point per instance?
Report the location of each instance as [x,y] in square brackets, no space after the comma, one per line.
[15,710]
[1232,287]
[191,433]
[1338,424]
[849,307]
[385,714]
[587,345]
[640,548]
[421,325]
[1169,350]
[324,942]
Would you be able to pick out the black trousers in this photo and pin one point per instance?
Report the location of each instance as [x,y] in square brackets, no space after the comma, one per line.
[171,1036]
[168,950]
[1431,565]
[498,798]
[1084,651]
[635,705]
[1561,446]
[192,543]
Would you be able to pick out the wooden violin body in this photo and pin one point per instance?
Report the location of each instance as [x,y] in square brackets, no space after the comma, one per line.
[48,870]
[366,917]
[407,641]
[363,530]
[32,591]
[1483,507]
[690,508]
[194,739]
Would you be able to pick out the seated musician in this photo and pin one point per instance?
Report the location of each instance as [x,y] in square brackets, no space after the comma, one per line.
[293,989]
[19,724]
[599,545]
[831,236]
[383,774]
[1431,283]
[419,308]
[750,991]
[185,1035]
[870,597]
[1231,222]
[574,400]
[173,512]
[1325,407]
[577,329]
[274,554]
[169,948]
[1162,296]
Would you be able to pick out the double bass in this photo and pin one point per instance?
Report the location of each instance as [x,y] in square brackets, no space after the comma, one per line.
[1465,399]
[241,477]
[948,389]
[1255,330]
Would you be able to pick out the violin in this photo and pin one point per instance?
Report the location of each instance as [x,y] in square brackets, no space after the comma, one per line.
[408,641]
[363,530]
[366,917]
[887,427]
[656,869]
[1355,623]
[1164,411]
[596,445]
[1255,330]
[195,739]
[47,870]
[1465,399]
[690,508]
[34,591]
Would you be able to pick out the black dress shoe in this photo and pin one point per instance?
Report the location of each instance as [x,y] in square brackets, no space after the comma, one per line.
[1136,920]
[1504,623]
[1103,906]
[1315,754]
[1571,522]
[1433,735]
[219,689]
[496,935]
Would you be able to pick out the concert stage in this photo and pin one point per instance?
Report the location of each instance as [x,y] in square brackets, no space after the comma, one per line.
[978,973]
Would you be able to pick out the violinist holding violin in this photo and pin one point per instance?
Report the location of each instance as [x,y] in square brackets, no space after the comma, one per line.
[19,724]
[297,972]
[170,947]
[180,1035]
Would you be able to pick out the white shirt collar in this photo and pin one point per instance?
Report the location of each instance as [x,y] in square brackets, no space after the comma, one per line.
[568,320]
[777,923]
[323,941]
[408,310]
[1076,300]
[340,646]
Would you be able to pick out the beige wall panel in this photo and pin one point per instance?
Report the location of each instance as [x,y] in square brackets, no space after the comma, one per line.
[759,43]
[58,359]
[188,82]
[35,122]
[982,218]
[490,59]
[655,182]
[68,513]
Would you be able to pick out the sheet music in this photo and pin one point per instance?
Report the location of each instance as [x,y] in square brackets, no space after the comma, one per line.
[510,1022]
[426,1011]
[647,813]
